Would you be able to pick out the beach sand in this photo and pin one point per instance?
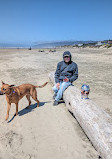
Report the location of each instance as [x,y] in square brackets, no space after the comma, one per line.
[50,132]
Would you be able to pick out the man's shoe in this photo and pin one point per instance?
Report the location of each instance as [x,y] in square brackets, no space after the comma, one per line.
[55,103]
[54,96]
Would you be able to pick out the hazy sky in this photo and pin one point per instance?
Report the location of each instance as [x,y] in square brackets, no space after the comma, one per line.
[46,20]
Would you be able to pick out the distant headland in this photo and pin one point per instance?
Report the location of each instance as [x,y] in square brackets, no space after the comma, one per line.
[55,44]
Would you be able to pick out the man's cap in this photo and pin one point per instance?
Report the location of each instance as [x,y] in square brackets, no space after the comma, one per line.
[66,53]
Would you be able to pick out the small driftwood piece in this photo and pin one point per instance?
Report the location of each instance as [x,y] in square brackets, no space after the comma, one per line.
[95,122]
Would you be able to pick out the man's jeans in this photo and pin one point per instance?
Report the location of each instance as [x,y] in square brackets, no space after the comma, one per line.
[59,92]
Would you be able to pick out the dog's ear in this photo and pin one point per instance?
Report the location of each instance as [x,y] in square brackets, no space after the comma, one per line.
[3,83]
[11,85]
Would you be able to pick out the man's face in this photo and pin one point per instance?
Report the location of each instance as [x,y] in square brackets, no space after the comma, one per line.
[67,59]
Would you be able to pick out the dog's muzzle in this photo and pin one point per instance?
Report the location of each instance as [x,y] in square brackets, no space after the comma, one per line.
[1,93]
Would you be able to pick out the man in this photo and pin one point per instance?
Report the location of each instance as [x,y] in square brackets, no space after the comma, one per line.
[66,73]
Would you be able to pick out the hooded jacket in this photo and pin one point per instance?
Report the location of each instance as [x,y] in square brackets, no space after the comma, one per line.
[66,70]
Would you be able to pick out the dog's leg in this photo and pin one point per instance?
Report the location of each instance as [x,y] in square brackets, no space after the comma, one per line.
[8,109]
[16,108]
[28,98]
[34,96]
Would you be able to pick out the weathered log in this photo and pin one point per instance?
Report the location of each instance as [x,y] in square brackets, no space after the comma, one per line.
[95,122]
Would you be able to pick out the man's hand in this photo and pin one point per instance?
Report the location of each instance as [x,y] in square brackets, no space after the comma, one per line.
[66,80]
[58,85]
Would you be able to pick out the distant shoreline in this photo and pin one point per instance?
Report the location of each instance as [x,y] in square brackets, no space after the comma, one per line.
[61,44]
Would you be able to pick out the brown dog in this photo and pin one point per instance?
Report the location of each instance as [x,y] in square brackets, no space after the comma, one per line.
[14,94]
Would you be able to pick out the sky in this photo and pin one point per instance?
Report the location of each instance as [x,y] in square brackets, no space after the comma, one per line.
[32,21]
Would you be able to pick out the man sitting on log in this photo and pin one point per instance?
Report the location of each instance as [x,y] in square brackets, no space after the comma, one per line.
[66,73]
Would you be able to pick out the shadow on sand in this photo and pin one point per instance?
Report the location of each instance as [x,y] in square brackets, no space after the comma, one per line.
[28,110]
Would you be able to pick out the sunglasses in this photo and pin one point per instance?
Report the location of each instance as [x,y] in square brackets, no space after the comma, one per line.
[84,92]
[66,57]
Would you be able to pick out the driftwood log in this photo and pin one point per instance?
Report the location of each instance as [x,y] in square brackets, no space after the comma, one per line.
[95,122]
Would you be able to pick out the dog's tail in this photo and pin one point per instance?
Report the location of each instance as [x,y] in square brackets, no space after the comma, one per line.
[41,85]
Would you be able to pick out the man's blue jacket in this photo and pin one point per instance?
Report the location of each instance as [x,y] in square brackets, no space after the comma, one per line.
[69,70]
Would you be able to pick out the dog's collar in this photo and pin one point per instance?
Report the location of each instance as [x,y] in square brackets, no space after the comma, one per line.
[11,93]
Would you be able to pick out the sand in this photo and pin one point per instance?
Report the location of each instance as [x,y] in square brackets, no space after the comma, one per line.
[50,132]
